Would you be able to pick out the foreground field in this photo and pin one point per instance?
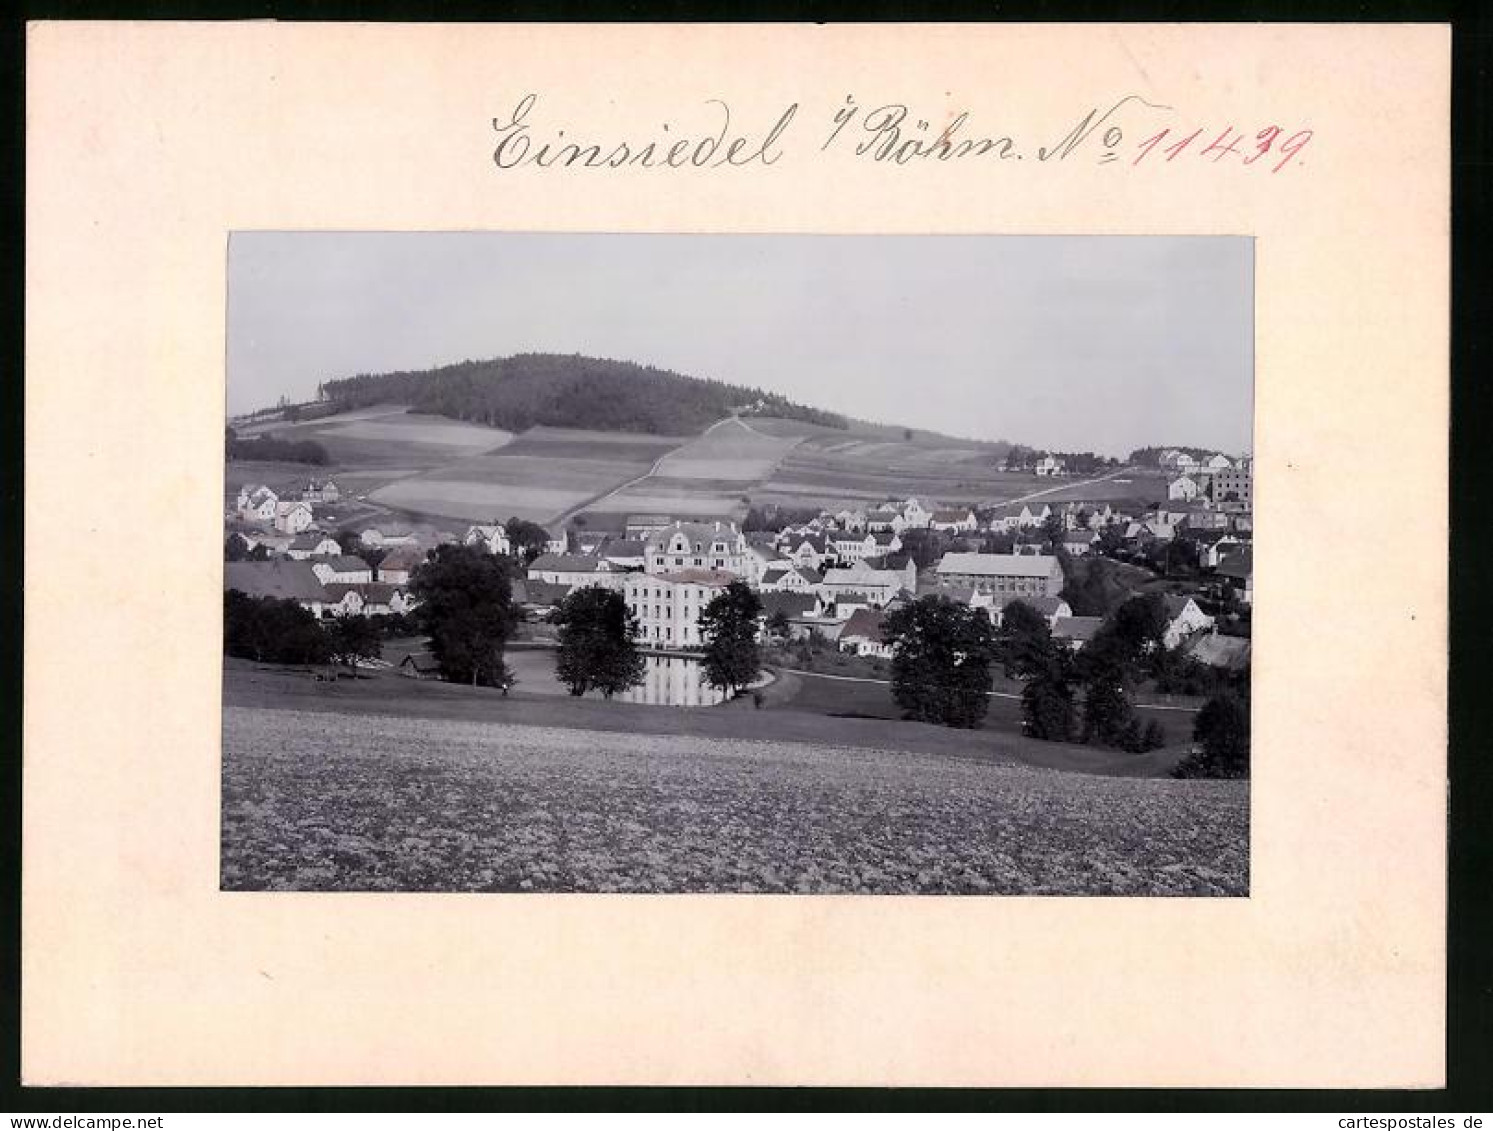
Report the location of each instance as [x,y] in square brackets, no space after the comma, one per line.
[311,802]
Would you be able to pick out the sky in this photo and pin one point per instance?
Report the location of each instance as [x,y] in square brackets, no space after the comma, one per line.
[1068,343]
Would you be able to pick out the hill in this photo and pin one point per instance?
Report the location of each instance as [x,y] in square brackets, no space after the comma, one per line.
[568,391]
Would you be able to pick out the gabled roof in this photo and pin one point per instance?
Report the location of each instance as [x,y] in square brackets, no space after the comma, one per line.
[951,515]
[700,534]
[404,557]
[863,623]
[714,578]
[1239,565]
[1047,606]
[344,563]
[818,541]
[859,574]
[568,563]
[310,539]
[540,592]
[1229,652]
[773,576]
[1077,628]
[1175,604]
[789,604]
[626,548]
[287,580]
[896,560]
[1000,565]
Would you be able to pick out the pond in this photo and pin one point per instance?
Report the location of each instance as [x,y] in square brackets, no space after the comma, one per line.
[669,681]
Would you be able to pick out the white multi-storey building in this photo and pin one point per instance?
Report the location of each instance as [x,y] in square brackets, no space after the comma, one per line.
[668,605]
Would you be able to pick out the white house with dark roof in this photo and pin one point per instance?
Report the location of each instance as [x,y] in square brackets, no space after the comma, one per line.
[257,503]
[1013,575]
[574,569]
[877,586]
[954,520]
[758,558]
[862,635]
[385,534]
[284,580]
[806,549]
[293,516]
[1238,571]
[794,579]
[696,545]
[492,537]
[1079,543]
[1184,619]
[313,544]
[1183,488]
[1049,465]
[342,569]
[626,553]
[399,565]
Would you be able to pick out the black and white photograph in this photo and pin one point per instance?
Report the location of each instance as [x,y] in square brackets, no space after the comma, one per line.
[698,564]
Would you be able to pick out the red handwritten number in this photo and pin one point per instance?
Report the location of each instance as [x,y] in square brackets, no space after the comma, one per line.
[1292,146]
[1263,141]
[1223,152]
[1149,144]
[1174,151]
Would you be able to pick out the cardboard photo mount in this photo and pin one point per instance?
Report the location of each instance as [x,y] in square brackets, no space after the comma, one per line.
[149,143]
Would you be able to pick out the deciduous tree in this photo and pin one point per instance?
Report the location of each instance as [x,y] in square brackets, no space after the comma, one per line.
[729,626]
[1221,734]
[942,652]
[353,638]
[597,649]
[466,608]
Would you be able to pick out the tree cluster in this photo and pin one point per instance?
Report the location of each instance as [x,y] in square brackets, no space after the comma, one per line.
[771,518]
[466,608]
[528,539]
[597,648]
[1221,739]
[237,549]
[1151,457]
[568,391]
[270,448]
[272,630]
[941,659]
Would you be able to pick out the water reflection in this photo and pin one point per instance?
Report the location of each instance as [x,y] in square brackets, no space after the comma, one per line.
[673,681]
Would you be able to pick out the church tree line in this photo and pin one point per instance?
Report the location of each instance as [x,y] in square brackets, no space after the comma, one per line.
[567,391]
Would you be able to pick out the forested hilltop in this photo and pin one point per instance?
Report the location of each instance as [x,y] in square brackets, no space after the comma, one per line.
[568,391]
